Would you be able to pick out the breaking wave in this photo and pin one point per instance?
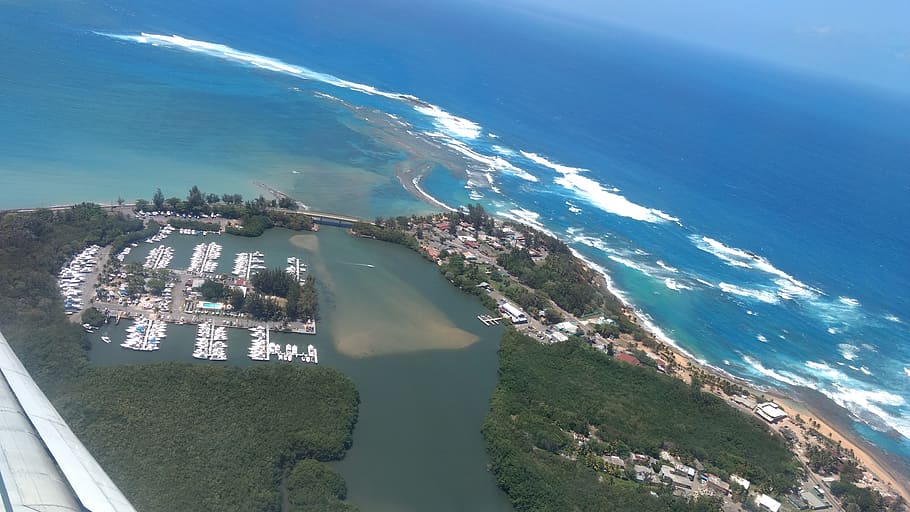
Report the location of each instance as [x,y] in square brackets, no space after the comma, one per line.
[572,178]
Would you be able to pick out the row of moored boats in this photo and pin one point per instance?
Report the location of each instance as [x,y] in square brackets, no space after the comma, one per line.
[248,263]
[159,257]
[145,335]
[211,342]
[71,278]
[205,258]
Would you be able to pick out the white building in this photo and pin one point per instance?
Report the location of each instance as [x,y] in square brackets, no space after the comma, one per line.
[768,503]
[770,412]
[516,315]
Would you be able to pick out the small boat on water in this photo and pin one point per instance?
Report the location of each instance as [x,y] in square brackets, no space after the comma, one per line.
[105,339]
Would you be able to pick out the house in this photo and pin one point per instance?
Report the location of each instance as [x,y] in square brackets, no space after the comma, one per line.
[628,358]
[742,482]
[668,475]
[768,503]
[716,484]
[643,473]
[770,412]
[613,460]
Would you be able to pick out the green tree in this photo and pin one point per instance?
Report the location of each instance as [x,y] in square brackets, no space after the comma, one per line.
[158,199]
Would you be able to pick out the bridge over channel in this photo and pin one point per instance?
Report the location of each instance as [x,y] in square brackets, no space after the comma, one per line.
[327,219]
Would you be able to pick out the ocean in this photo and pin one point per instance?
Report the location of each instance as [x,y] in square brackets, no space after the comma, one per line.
[757,217]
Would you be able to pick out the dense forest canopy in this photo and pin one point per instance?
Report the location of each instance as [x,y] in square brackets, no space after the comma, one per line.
[547,392]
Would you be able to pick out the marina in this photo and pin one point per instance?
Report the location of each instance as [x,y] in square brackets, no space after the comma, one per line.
[71,278]
[211,342]
[145,335]
[159,257]
[205,258]
[163,233]
[262,348]
[247,264]
[296,269]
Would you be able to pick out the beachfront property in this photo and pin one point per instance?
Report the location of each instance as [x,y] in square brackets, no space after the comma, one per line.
[515,314]
[770,412]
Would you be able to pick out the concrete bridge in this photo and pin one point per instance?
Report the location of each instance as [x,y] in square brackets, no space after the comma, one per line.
[327,219]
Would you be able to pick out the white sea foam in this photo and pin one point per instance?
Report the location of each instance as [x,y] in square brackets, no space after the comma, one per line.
[863,402]
[503,150]
[824,371]
[761,338]
[629,263]
[666,267]
[865,370]
[788,286]
[572,178]
[848,301]
[892,318]
[848,351]
[761,295]
[778,375]
[832,330]
[492,163]
[526,217]
[907,371]
[455,126]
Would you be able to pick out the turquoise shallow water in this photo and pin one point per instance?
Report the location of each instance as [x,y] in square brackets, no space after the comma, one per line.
[757,216]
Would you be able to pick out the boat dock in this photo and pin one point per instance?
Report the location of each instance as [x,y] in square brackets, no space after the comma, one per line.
[205,258]
[296,268]
[248,263]
[211,342]
[159,257]
[489,320]
[145,335]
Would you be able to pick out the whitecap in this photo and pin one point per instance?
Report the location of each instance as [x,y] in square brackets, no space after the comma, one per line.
[675,285]
[780,376]
[892,318]
[452,124]
[494,163]
[863,402]
[907,371]
[848,301]
[848,351]
[832,330]
[594,193]
[762,338]
[503,150]
[865,370]
[823,370]
[761,295]
[666,267]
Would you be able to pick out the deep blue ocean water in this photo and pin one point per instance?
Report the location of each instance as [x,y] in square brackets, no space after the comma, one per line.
[760,218]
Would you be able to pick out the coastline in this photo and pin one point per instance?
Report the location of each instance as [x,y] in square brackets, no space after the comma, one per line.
[890,477]
[871,458]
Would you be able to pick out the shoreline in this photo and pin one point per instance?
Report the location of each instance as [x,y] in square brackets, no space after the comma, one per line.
[872,458]
[891,478]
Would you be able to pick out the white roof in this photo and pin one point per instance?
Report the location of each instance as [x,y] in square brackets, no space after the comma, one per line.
[42,462]
[768,502]
[741,481]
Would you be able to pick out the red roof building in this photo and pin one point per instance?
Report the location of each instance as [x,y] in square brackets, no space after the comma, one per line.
[628,358]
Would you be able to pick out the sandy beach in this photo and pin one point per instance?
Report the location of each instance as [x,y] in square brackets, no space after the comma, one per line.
[868,456]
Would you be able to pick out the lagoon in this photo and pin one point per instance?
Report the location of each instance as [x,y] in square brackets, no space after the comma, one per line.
[424,366]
